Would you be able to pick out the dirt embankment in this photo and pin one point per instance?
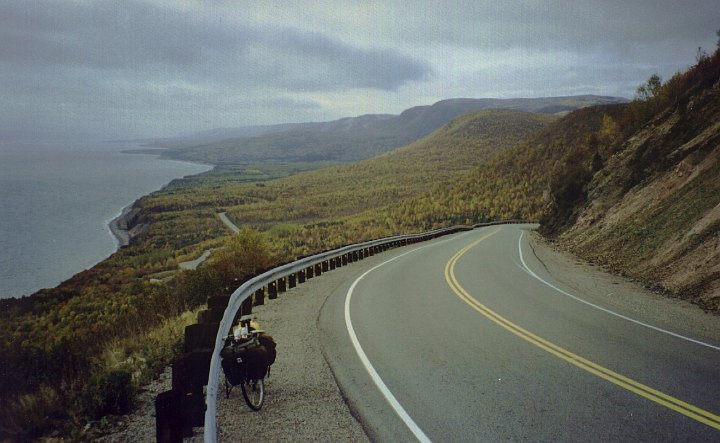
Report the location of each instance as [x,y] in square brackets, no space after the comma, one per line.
[664,230]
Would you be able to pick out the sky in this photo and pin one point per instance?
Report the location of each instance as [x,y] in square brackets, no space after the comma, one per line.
[131,68]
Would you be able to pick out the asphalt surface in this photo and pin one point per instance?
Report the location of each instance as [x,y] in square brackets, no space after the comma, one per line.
[473,347]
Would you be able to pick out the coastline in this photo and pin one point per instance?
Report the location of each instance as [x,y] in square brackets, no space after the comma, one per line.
[75,208]
[118,226]
[124,226]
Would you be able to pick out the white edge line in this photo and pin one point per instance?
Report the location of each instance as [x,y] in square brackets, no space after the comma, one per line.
[404,416]
[527,269]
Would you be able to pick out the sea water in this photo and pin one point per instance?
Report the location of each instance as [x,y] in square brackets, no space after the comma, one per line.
[57,199]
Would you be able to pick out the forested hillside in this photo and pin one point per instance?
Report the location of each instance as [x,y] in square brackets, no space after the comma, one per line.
[351,139]
[516,183]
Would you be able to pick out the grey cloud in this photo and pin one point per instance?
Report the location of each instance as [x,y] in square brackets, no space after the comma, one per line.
[142,37]
[310,62]
[142,66]
[107,35]
[579,25]
[286,103]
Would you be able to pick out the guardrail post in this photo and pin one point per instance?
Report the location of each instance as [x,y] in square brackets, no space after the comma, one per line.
[309,272]
[218,301]
[331,264]
[212,315]
[292,280]
[325,266]
[200,336]
[272,291]
[300,277]
[168,420]
[245,309]
[282,285]
[259,297]
[318,269]
[344,259]
[184,406]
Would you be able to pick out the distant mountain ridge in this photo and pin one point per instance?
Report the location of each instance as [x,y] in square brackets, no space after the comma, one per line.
[352,138]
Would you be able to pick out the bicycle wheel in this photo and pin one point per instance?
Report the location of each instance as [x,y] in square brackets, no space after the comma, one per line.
[254,393]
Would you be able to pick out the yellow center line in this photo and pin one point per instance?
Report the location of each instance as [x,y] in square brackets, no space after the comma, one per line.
[631,385]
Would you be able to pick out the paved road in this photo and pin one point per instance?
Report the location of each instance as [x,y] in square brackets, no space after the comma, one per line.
[232,226]
[472,340]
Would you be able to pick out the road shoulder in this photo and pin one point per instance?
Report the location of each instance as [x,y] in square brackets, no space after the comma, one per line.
[625,296]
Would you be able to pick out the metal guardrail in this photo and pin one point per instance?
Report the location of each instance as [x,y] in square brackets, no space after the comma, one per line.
[250,287]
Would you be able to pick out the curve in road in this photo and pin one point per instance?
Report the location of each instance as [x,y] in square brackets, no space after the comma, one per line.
[459,377]
[661,398]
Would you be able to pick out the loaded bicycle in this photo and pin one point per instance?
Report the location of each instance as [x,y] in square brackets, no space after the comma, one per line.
[247,357]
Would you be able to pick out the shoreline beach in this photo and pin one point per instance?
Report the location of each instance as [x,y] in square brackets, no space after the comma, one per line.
[122,235]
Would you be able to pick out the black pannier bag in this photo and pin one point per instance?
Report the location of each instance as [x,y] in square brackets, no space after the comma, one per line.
[256,362]
[269,343]
[233,370]
[253,358]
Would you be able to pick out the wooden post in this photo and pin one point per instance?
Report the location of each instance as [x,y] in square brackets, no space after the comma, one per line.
[292,280]
[259,297]
[272,290]
[212,315]
[218,301]
[245,309]
[282,285]
[200,336]
[168,419]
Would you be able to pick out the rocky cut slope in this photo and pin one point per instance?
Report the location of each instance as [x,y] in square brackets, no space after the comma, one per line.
[652,211]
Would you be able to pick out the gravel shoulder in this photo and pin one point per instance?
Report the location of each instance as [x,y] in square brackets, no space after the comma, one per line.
[625,296]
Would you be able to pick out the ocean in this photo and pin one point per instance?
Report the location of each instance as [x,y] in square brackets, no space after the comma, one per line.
[57,199]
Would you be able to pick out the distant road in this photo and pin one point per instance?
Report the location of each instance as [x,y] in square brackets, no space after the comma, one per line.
[228,223]
[193,264]
[468,338]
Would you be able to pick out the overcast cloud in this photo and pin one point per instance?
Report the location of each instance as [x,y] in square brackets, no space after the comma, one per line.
[160,68]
